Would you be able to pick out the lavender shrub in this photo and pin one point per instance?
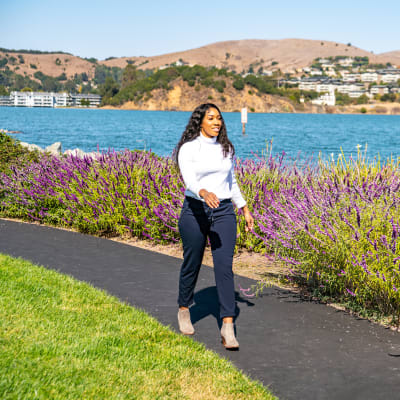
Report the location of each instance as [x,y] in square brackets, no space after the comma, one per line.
[134,192]
[335,225]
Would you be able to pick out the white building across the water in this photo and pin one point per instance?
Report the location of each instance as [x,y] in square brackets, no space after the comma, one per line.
[327,99]
[50,99]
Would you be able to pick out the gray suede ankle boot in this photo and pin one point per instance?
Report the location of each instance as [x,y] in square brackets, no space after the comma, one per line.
[185,325]
[228,336]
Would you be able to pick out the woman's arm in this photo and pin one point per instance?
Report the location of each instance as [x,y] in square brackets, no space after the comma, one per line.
[210,198]
[237,197]
[248,217]
[185,161]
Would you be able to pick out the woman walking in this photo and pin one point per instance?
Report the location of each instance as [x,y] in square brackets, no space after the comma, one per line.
[204,155]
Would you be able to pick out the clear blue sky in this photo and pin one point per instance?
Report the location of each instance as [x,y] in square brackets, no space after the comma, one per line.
[117,28]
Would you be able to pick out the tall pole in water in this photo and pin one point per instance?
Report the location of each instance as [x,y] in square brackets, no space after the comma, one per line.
[244,120]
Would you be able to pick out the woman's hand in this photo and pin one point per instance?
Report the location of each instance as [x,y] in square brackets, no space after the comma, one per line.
[249,219]
[210,198]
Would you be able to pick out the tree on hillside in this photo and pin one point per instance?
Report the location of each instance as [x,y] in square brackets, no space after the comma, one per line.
[101,72]
[3,91]
[19,82]
[389,97]
[131,75]
[100,75]
[342,99]
[3,62]
[238,83]
[70,86]
[62,77]
[363,99]
[109,89]
[219,85]
[51,84]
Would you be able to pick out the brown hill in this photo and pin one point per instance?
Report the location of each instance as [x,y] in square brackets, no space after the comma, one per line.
[49,64]
[393,56]
[238,55]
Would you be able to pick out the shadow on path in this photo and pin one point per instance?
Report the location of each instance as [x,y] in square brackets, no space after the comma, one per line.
[206,304]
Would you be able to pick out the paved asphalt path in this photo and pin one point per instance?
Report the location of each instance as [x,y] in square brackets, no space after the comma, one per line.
[301,350]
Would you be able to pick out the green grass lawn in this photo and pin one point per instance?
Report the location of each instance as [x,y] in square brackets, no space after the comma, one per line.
[63,339]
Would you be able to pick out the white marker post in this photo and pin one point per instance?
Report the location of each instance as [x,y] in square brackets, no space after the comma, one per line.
[244,120]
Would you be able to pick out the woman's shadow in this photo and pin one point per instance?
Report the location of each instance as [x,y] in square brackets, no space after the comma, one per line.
[206,303]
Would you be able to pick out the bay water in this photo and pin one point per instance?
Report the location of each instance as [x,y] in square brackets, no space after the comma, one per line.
[298,135]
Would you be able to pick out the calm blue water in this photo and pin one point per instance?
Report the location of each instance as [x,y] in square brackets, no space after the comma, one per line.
[161,130]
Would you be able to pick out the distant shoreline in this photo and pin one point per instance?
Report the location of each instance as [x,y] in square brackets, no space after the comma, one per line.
[391,109]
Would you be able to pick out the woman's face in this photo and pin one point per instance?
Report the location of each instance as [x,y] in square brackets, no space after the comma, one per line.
[211,124]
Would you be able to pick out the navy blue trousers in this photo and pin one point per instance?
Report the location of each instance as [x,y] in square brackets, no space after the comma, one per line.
[196,222]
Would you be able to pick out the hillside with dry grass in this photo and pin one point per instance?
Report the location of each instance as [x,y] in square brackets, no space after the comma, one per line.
[286,54]
[237,55]
[49,64]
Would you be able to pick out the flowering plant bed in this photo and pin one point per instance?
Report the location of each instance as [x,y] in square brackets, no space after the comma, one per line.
[335,223]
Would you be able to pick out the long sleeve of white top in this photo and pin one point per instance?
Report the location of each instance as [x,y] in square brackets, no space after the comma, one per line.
[203,166]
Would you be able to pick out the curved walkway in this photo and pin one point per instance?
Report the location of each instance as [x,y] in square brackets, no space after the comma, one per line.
[301,350]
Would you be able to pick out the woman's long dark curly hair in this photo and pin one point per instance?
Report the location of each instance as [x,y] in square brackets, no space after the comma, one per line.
[192,131]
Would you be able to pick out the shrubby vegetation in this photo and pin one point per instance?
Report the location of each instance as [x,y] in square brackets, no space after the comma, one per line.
[335,223]
[136,84]
[46,83]
[389,97]
[91,59]
[32,51]
[12,153]
[3,91]
[101,72]
[3,62]
[343,99]
[14,81]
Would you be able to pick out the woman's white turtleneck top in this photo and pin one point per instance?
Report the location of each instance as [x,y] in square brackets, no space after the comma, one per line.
[203,166]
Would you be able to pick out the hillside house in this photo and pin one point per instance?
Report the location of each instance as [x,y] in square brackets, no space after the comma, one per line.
[379,89]
[326,86]
[351,77]
[346,62]
[5,101]
[357,93]
[310,83]
[315,72]
[76,99]
[369,77]
[49,99]
[348,88]
[32,99]
[390,75]
[394,89]
[327,99]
